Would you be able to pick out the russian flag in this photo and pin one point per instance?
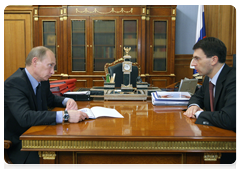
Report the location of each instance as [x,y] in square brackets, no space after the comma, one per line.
[200,30]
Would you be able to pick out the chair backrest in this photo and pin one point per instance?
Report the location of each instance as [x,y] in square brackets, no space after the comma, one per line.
[116,67]
[234,60]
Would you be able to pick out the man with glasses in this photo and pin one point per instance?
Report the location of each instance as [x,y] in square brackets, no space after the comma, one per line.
[214,104]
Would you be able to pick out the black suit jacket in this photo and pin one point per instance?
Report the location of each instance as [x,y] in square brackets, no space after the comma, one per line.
[224,115]
[20,110]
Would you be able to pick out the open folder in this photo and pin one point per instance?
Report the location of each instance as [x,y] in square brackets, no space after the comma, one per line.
[98,111]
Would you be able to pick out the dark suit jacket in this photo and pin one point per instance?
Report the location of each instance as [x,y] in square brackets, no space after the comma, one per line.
[224,115]
[20,110]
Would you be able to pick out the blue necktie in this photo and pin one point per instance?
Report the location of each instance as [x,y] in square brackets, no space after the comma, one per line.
[39,98]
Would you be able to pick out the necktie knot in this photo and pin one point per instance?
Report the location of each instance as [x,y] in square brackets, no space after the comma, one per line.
[211,85]
[38,87]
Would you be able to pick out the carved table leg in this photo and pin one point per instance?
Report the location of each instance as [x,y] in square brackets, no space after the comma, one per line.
[47,157]
[212,157]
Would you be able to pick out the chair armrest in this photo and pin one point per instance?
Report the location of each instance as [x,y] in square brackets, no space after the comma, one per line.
[7,144]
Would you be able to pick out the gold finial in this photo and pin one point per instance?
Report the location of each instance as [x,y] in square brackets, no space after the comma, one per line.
[127,50]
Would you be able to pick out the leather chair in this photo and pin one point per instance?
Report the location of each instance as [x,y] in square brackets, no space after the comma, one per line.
[116,67]
[7,144]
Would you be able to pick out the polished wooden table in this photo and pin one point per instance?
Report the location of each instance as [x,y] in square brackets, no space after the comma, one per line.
[146,134]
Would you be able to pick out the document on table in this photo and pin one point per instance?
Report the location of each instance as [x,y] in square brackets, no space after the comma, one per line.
[98,111]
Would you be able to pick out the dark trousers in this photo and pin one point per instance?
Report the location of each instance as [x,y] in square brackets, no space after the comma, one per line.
[228,158]
[32,158]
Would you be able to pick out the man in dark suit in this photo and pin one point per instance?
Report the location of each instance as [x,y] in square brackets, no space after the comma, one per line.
[22,107]
[209,60]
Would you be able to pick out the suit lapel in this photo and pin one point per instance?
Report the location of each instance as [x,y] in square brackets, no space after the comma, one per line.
[220,82]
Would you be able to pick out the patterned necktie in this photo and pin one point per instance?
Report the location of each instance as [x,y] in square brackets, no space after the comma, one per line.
[211,86]
[39,98]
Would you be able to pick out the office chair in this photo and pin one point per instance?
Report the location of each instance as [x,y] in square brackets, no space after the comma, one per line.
[116,67]
[7,144]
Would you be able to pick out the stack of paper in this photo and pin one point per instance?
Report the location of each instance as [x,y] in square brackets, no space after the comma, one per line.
[170,98]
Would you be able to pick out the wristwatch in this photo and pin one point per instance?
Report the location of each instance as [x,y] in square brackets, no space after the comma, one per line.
[65,116]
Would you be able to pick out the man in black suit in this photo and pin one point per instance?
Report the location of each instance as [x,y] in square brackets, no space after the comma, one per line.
[209,60]
[22,107]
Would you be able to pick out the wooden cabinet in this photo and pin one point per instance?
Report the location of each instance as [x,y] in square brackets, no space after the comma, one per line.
[48,33]
[84,38]
[161,46]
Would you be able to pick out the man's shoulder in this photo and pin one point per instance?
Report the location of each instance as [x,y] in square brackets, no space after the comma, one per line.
[231,74]
[229,70]
[17,77]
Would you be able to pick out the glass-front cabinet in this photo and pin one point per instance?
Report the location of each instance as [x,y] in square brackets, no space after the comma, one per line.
[85,38]
[101,42]
[92,44]
[130,37]
[49,29]
[104,43]
[159,45]
[78,58]
[161,51]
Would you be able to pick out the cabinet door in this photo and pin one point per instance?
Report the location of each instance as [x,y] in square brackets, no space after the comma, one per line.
[50,37]
[102,42]
[78,63]
[130,37]
[160,46]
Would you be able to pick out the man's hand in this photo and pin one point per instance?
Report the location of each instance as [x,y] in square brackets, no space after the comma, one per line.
[76,116]
[192,110]
[71,105]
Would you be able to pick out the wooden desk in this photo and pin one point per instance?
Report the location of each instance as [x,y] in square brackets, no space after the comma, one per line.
[146,134]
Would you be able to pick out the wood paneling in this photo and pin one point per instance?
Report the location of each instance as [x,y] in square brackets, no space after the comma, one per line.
[17,41]
[220,22]
[182,66]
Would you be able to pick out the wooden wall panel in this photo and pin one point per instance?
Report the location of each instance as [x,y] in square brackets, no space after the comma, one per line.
[81,83]
[17,41]
[220,22]
[234,32]
[182,66]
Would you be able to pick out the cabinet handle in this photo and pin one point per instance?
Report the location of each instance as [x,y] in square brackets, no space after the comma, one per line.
[151,46]
[120,46]
[90,45]
[87,45]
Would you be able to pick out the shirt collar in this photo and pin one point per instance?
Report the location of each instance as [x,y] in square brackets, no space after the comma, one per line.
[215,77]
[32,80]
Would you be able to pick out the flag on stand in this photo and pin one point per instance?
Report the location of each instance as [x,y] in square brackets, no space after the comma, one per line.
[200,30]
